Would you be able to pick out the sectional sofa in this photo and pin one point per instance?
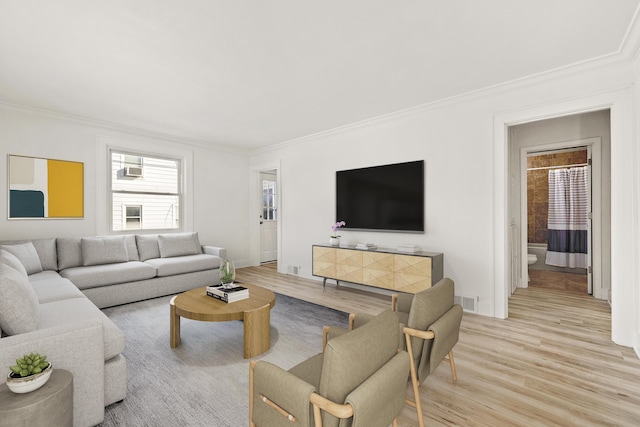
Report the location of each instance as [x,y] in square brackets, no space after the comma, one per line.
[51,291]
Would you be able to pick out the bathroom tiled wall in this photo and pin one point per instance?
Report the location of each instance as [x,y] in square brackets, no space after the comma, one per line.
[538,190]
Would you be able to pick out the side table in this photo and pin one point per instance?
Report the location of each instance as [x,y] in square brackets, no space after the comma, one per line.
[50,405]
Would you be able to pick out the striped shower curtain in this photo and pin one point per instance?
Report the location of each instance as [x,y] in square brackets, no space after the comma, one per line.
[568,217]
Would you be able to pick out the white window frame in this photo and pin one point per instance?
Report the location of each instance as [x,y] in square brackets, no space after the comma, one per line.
[104,209]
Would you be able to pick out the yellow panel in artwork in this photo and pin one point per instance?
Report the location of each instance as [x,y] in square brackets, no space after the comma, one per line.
[66,189]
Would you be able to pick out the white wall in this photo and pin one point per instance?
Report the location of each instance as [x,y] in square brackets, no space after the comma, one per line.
[219,179]
[466,174]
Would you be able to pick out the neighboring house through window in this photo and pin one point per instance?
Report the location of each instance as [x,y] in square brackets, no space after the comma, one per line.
[145,191]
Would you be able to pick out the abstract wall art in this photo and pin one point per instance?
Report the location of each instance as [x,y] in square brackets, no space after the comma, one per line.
[45,188]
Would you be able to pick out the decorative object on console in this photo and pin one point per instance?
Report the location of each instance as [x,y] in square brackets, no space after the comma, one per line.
[227,273]
[366,246]
[408,248]
[334,239]
[30,373]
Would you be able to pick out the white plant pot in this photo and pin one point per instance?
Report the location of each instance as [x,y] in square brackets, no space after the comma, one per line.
[30,383]
[334,241]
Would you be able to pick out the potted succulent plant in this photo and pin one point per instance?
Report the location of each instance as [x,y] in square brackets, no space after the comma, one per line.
[29,373]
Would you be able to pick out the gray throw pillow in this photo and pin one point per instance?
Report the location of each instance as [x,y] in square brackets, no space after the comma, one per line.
[69,252]
[19,310]
[132,249]
[103,250]
[12,261]
[46,249]
[27,255]
[147,246]
[179,244]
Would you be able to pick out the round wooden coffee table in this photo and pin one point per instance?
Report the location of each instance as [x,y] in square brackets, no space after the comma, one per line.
[253,311]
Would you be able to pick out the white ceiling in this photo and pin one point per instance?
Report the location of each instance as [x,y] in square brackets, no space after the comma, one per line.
[252,73]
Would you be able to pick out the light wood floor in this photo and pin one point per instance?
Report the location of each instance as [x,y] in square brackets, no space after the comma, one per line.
[552,363]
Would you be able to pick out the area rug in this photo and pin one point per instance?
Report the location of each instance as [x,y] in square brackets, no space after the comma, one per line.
[205,380]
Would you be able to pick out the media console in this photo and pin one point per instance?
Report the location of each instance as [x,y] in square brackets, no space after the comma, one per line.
[382,268]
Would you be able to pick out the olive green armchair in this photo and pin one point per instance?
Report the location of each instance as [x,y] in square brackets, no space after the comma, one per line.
[359,380]
[431,326]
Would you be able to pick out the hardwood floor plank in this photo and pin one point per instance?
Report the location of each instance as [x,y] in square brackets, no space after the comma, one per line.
[551,363]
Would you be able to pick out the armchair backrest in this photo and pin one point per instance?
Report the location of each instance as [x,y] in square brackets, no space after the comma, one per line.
[351,359]
[427,308]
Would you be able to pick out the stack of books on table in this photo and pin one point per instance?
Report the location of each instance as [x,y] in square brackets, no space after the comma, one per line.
[232,294]
[366,246]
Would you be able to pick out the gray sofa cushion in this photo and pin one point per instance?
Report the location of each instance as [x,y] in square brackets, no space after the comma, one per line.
[81,310]
[52,287]
[184,264]
[108,274]
[132,248]
[18,301]
[27,255]
[147,246]
[103,250]
[69,252]
[179,244]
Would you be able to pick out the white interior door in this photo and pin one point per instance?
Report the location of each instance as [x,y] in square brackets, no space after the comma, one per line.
[269,218]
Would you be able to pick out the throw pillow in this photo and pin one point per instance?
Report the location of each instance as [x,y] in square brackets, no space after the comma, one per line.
[12,261]
[132,249]
[46,249]
[178,244]
[147,246]
[69,252]
[103,250]
[27,255]
[19,309]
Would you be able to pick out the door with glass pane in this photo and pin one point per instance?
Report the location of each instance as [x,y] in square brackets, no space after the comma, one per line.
[269,218]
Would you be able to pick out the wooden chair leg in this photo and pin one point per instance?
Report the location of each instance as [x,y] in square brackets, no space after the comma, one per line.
[414,383]
[251,367]
[395,422]
[317,417]
[453,366]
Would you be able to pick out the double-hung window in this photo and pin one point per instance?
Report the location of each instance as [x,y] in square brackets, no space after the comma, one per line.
[146,192]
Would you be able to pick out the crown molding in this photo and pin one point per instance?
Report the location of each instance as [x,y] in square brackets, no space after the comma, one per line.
[626,54]
[122,128]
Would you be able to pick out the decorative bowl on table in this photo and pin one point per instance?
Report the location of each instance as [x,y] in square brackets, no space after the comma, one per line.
[18,384]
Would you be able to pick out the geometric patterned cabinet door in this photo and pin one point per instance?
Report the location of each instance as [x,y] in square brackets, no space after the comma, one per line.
[382,268]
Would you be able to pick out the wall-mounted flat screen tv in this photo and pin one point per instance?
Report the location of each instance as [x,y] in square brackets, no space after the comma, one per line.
[382,198]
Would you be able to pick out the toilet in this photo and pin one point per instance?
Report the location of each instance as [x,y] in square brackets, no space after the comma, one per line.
[531,259]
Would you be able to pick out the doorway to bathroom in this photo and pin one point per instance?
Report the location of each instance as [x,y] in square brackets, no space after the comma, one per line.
[572,254]
[559,218]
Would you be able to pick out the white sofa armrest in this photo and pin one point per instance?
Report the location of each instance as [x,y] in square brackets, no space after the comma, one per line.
[78,348]
[214,250]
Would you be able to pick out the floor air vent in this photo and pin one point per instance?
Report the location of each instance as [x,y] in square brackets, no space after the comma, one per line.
[468,303]
[293,269]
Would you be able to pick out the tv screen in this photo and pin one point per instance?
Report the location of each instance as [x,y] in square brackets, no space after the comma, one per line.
[383,198]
